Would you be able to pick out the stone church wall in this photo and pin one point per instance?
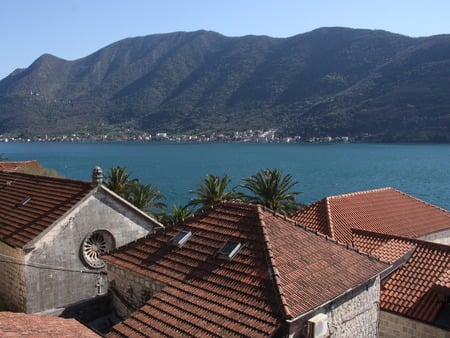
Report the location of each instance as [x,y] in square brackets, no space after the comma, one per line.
[12,279]
[70,279]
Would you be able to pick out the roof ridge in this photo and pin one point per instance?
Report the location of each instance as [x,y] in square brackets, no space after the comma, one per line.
[362,192]
[24,161]
[44,177]
[416,241]
[328,238]
[421,201]
[275,273]
[309,230]
[365,192]
[329,218]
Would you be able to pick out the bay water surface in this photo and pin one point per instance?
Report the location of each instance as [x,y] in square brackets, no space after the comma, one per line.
[421,170]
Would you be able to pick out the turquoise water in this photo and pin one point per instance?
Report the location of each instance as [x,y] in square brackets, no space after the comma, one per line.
[321,169]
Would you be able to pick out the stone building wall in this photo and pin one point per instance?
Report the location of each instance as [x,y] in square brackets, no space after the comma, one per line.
[130,290]
[441,237]
[395,326]
[355,314]
[12,279]
[72,280]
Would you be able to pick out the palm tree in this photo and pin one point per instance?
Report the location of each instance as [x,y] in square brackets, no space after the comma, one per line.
[117,180]
[212,190]
[145,197]
[271,189]
[178,214]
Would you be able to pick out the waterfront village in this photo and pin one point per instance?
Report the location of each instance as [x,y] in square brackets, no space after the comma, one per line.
[259,136]
[79,260]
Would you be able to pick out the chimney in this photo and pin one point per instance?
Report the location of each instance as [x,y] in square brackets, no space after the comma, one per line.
[97,176]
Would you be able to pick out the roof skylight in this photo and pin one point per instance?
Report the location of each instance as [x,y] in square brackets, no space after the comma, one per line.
[180,238]
[229,250]
[25,200]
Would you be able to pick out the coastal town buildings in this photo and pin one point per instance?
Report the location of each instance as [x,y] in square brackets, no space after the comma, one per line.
[256,136]
[404,231]
[366,264]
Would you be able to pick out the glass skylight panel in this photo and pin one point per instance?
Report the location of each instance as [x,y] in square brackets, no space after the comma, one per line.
[180,238]
[25,200]
[229,250]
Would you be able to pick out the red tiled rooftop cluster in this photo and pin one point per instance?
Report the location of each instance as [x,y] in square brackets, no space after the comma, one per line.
[386,210]
[282,271]
[410,290]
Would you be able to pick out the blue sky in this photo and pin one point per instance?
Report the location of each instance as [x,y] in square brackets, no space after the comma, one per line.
[72,29]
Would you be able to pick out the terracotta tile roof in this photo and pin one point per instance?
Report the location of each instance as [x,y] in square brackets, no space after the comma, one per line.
[207,296]
[305,258]
[29,325]
[29,204]
[384,210]
[410,290]
[393,250]
[444,280]
[20,166]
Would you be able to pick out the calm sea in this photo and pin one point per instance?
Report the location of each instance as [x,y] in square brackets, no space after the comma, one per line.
[321,169]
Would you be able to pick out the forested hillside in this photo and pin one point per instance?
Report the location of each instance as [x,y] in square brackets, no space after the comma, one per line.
[331,81]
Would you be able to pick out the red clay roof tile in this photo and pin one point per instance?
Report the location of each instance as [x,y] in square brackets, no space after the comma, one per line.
[32,166]
[36,326]
[409,291]
[29,204]
[384,210]
[274,276]
[444,280]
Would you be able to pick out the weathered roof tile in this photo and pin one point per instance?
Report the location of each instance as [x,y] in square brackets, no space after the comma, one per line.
[30,167]
[410,290]
[272,278]
[384,210]
[29,204]
[36,326]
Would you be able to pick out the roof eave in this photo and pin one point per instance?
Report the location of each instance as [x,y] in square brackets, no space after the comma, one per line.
[315,309]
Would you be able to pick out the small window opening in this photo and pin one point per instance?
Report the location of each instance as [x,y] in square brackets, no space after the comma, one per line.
[229,250]
[94,245]
[180,238]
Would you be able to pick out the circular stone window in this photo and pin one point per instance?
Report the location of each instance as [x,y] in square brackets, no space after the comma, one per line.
[94,245]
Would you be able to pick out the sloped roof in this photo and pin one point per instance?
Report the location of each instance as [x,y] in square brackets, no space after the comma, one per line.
[29,204]
[36,326]
[410,290]
[282,271]
[444,281]
[21,166]
[384,210]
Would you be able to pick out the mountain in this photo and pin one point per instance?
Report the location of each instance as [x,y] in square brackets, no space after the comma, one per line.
[330,81]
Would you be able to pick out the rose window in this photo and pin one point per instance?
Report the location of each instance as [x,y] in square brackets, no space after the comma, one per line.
[95,245]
